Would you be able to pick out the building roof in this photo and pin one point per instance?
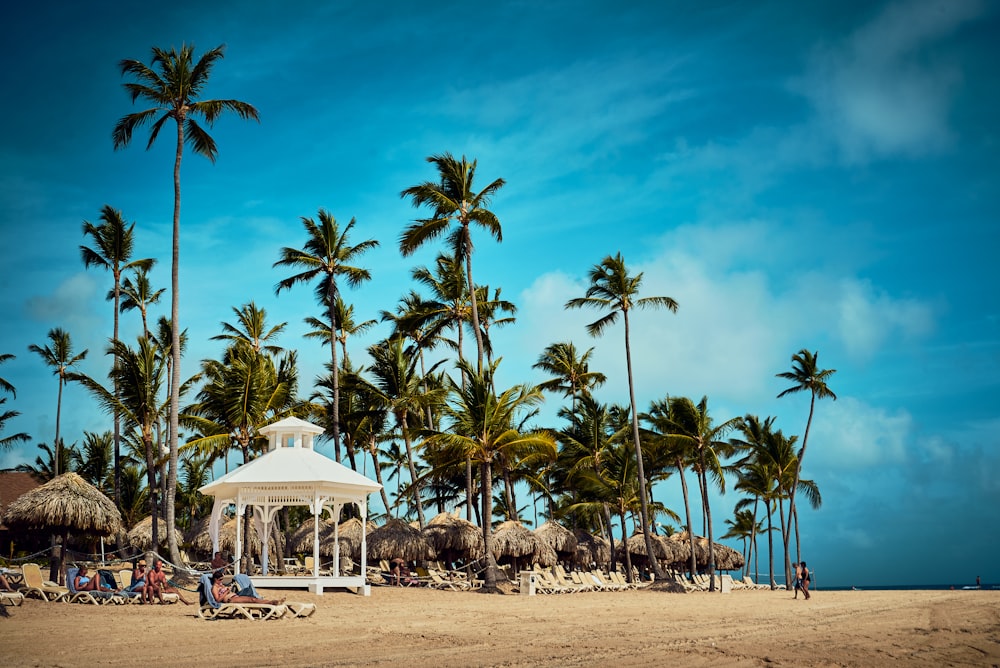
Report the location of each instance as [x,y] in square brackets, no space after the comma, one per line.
[12,485]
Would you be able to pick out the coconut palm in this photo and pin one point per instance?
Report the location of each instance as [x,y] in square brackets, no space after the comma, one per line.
[138,375]
[571,374]
[59,356]
[113,244]
[613,289]
[485,425]
[744,527]
[7,442]
[252,328]
[327,255]
[347,326]
[454,199]
[173,83]
[398,387]
[138,293]
[490,315]
[44,468]
[95,459]
[808,377]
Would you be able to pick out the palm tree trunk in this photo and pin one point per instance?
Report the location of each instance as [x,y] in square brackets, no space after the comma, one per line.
[175,343]
[770,546]
[469,503]
[147,443]
[331,292]
[711,540]
[472,296]
[414,486]
[795,518]
[785,534]
[628,555]
[644,505]
[687,515]
[378,476]
[55,449]
[795,486]
[490,576]
[117,420]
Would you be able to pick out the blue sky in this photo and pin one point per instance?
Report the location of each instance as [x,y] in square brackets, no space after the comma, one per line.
[819,176]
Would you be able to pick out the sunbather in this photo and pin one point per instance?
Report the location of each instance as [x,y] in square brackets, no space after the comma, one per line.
[4,585]
[138,577]
[85,582]
[224,594]
[156,583]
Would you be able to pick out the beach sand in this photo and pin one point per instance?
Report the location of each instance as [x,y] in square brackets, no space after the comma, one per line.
[422,627]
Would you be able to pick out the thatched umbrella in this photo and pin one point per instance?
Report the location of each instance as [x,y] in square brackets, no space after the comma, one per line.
[727,559]
[591,549]
[636,546]
[201,541]
[700,548]
[513,541]
[301,540]
[454,538]
[349,536]
[141,535]
[544,555]
[65,504]
[559,538]
[397,539]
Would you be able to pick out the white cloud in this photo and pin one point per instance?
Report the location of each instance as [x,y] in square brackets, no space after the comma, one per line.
[848,434]
[877,93]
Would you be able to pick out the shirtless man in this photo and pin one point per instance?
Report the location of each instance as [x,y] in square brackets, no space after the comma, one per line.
[224,594]
[156,583]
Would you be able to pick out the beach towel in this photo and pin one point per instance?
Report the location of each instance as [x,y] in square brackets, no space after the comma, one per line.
[245,585]
[205,596]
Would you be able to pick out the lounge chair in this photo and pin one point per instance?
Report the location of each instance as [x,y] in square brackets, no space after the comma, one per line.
[91,597]
[209,608]
[36,587]
[11,598]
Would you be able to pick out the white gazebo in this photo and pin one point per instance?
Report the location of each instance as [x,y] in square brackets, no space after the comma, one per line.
[292,473]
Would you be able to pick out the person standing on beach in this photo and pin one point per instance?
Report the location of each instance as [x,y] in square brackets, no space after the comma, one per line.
[979,584]
[798,578]
[804,579]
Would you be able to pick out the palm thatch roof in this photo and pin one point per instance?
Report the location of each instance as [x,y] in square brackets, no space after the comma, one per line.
[141,535]
[348,534]
[513,539]
[559,538]
[544,555]
[636,546]
[66,503]
[591,549]
[301,540]
[201,541]
[397,539]
[727,559]
[454,537]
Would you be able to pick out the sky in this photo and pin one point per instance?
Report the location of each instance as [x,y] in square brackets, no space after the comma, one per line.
[796,175]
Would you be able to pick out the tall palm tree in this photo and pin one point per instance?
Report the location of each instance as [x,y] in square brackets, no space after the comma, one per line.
[173,83]
[613,289]
[745,527]
[808,377]
[44,468]
[114,241]
[138,293]
[485,425]
[138,376]
[347,326]
[453,198]
[95,459]
[571,374]
[327,255]
[59,356]
[7,442]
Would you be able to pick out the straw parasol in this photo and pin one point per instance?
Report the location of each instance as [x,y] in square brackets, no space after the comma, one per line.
[559,538]
[349,535]
[513,541]
[141,535]
[454,538]
[727,559]
[397,539]
[591,549]
[636,546]
[301,540]
[65,504]
[544,555]
[201,541]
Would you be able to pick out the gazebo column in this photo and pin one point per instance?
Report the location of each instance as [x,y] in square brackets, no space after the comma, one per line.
[317,507]
[337,507]
[240,509]
[213,522]
[365,589]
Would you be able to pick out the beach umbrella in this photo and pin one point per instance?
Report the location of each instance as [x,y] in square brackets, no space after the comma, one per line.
[65,504]
[544,555]
[141,535]
[590,549]
[559,538]
[201,541]
[454,538]
[349,533]
[301,540]
[636,546]
[727,559]
[395,539]
[512,541]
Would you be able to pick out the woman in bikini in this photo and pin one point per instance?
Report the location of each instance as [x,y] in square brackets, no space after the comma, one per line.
[805,579]
[224,594]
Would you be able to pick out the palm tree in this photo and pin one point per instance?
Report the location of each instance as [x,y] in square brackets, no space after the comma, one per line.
[611,287]
[60,358]
[484,425]
[95,458]
[173,84]
[453,198]
[327,255]
[745,527]
[347,326]
[398,387]
[138,376]
[44,469]
[571,374]
[114,240]
[138,293]
[808,377]
[692,423]
[252,329]
[8,442]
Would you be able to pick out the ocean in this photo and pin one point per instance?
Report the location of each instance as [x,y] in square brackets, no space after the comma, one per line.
[930,587]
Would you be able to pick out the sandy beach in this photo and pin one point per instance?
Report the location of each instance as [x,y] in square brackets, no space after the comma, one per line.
[422,627]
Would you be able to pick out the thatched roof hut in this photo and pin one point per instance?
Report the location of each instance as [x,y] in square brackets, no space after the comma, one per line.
[348,534]
[636,546]
[395,539]
[544,555]
[454,538]
[200,539]
[559,538]
[513,540]
[141,535]
[65,504]
[591,550]
[727,559]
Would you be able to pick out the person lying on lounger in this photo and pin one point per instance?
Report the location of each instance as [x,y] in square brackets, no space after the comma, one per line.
[224,594]
[87,582]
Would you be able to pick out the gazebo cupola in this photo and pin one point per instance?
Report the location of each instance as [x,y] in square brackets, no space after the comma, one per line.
[290,433]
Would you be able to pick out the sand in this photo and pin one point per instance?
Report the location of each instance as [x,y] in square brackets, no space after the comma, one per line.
[421,627]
